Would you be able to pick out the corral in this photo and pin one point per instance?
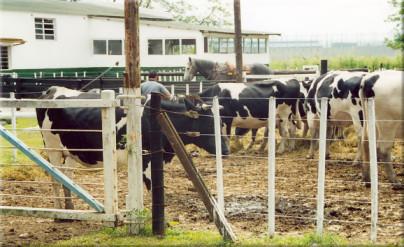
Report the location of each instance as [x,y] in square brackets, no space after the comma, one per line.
[347,200]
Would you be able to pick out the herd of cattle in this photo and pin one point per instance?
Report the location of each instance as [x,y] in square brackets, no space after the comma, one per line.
[244,106]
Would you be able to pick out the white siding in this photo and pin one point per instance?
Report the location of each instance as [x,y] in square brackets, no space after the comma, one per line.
[73,46]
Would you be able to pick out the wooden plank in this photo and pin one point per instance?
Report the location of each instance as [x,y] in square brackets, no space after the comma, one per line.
[53,171]
[85,215]
[237,41]
[109,155]
[76,103]
[210,203]
[373,167]
[321,166]
[271,165]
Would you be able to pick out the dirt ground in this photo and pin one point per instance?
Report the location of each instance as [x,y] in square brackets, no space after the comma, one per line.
[347,208]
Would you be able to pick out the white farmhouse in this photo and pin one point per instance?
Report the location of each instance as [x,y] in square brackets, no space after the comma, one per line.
[54,34]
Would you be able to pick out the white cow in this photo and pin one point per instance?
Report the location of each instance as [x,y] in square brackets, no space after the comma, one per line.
[386,87]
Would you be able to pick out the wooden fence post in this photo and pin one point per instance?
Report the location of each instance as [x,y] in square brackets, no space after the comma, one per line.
[321,166]
[373,167]
[271,165]
[109,155]
[323,66]
[157,170]
[219,161]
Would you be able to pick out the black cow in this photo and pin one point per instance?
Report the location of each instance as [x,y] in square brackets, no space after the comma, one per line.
[246,105]
[186,117]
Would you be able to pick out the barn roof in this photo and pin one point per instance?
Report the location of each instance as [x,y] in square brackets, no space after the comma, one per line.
[148,16]
[78,8]
[204,29]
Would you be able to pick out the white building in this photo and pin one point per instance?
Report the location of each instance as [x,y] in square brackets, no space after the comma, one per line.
[49,34]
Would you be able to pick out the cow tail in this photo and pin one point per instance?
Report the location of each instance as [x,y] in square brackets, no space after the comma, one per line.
[365,142]
[298,116]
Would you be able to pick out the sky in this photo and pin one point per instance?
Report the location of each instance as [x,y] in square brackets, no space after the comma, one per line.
[349,18]
[318,19]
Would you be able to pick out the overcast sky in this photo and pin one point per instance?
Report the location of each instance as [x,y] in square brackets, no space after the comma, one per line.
[318,17]
[348,19]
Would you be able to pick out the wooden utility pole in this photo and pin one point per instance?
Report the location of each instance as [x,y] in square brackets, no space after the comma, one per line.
[133,102]
[238,40]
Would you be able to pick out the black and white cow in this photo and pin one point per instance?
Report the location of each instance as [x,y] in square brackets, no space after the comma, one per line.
[246,105]
[386,87]
[344,106]
[188,118]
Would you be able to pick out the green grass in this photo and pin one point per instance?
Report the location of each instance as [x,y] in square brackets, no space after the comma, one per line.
[342,62]
[11,169]
[178,237]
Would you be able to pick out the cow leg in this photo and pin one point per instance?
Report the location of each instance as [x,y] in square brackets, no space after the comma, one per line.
[292,135]
[314,133]
[264,141]
[253,137]
[55,158]
[283,133]
[147,171]
[69,163]
[385,159]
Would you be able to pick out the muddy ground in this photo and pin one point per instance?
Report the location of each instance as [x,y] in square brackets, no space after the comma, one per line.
[347,208]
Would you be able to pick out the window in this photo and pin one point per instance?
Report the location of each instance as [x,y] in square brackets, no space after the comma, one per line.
[155,46]
[100,47]
[172,46]
[188,46]
[230,46]
[4,57]
[114,47]
[262,45]
[247,45]
[254,45]
[213,45]
[44,28]
[223,45]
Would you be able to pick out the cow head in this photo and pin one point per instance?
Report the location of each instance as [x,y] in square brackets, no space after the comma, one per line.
[197,126]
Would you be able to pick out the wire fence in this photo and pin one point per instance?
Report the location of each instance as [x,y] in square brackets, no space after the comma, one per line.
[347,201]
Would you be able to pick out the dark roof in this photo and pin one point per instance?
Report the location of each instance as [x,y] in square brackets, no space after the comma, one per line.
[77,8]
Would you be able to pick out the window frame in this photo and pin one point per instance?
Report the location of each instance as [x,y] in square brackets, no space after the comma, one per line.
[106,52]
[42,35]
[162,47]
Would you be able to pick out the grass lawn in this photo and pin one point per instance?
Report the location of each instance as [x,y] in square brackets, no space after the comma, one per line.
[178,237]
[17,169]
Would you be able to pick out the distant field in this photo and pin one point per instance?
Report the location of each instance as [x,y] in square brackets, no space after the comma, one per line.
[342,62]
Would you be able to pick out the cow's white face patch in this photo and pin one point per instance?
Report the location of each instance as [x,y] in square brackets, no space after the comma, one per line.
[65,92]
[234,88]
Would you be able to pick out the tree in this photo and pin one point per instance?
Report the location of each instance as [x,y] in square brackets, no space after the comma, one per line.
[214,13]
[397,41]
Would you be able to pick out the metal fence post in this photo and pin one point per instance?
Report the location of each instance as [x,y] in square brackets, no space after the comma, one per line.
[109,155]
[187,89]
[200,86]
[13,124]
[219,161]
[271,165]
[321,166]
[172,89]
[373,167]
